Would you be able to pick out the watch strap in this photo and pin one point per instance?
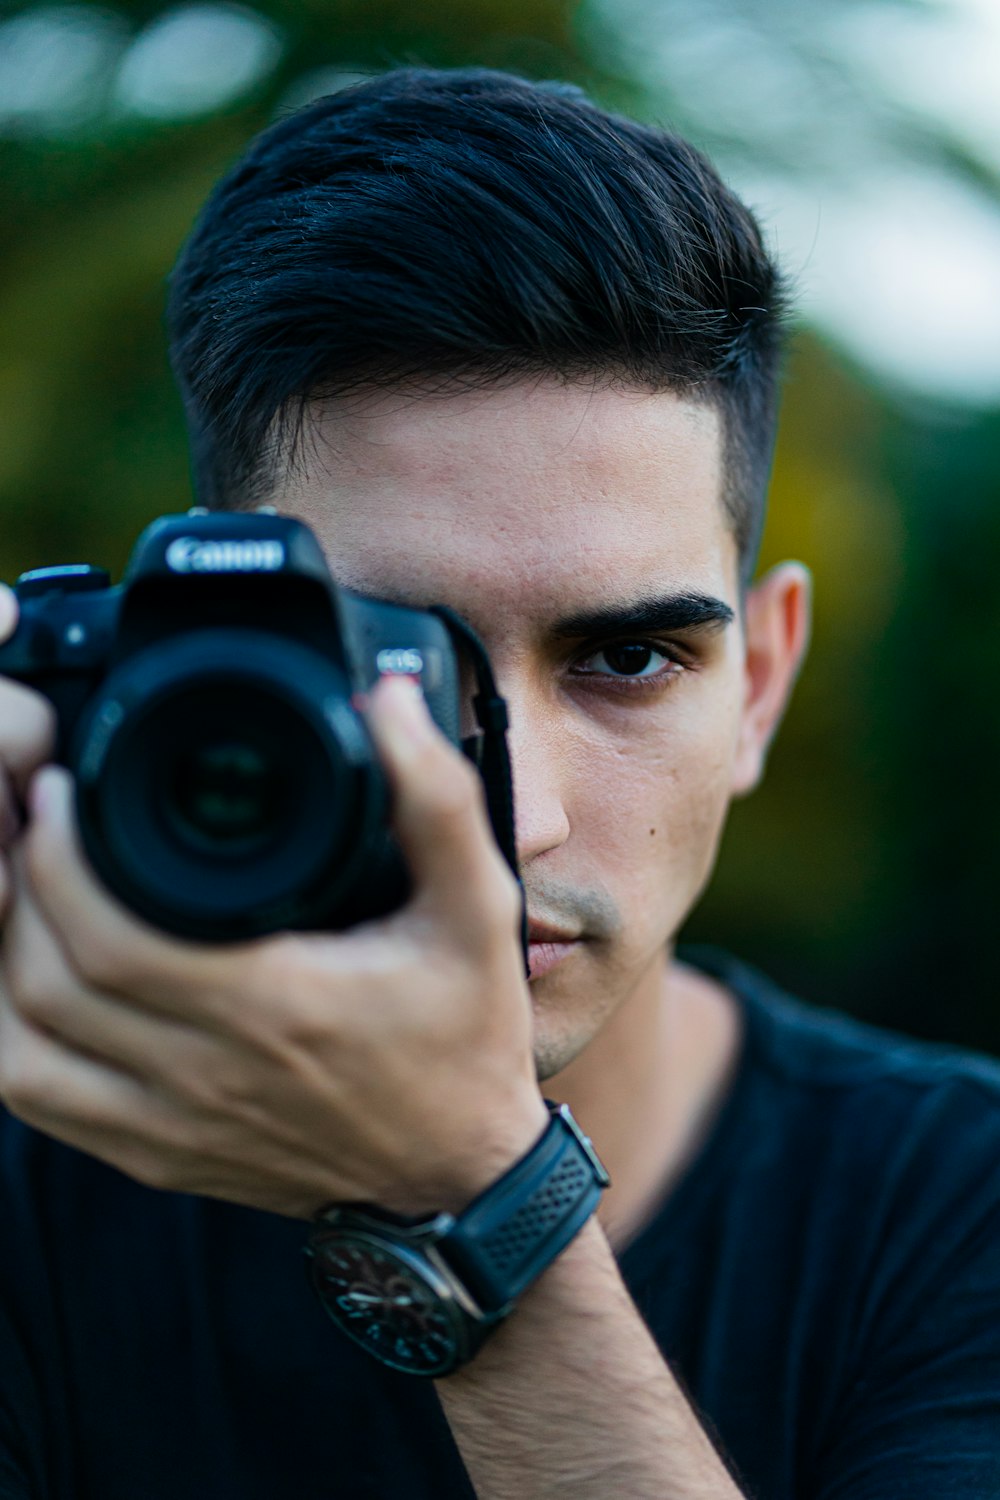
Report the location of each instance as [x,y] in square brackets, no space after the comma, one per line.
[513,1230]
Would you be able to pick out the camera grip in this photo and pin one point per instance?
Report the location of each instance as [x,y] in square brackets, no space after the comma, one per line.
[28,652]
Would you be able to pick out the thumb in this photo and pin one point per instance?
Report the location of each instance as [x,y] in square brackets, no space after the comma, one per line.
[439,815]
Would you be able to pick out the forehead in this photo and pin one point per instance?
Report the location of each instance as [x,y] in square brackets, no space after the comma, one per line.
[529,500]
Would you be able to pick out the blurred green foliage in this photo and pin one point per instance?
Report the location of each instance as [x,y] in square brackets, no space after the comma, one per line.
[863,873]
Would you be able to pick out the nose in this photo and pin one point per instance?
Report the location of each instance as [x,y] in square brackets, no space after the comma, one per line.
[539,771]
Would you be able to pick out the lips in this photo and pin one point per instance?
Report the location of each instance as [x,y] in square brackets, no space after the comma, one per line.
[540,932]
[548,946]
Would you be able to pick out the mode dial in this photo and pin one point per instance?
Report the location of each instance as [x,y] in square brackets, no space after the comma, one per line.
[70,578]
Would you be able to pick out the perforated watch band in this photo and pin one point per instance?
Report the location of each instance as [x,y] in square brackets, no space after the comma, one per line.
[507,1236]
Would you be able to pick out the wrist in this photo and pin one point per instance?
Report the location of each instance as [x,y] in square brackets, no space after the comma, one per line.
[422,1295]
[497,1143]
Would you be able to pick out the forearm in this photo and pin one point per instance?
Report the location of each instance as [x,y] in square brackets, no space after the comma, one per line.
[571,1397]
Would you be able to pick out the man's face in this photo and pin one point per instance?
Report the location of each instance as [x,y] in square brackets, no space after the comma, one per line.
[527,509]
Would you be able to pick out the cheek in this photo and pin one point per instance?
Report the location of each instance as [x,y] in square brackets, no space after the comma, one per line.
[657,804]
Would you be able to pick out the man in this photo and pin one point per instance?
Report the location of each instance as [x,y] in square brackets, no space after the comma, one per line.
[511,354]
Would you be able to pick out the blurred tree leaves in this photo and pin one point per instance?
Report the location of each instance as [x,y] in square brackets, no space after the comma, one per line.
[91,439]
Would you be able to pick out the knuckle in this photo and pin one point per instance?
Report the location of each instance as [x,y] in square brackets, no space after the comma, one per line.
[100,964]
[32,992]
[298,1031]
[232,1093]
[96,955]
[300,1026]
[280,970]
[20,1079]
[214,1090]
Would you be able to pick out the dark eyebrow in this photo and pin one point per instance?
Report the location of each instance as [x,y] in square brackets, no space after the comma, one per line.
[648,616]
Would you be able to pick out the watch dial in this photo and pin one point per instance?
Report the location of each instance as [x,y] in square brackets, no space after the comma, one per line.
[385,1305]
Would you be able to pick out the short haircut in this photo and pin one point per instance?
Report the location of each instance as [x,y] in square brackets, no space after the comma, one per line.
[436,226]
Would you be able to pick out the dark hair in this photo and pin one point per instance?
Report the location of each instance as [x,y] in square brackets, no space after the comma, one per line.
[468,226]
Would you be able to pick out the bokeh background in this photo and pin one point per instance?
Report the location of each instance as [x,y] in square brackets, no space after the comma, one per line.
[865,874]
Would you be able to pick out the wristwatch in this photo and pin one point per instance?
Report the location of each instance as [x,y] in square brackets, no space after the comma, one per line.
[423,1294]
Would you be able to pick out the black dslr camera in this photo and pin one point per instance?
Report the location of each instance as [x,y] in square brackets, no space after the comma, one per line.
[225,785]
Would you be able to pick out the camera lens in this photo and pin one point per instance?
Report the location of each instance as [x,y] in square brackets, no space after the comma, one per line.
[228,792]
[234,770]
[226,787]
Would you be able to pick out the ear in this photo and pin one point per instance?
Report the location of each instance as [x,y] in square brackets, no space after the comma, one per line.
[777,618]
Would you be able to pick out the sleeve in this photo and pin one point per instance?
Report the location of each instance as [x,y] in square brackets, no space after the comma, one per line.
[921,1416]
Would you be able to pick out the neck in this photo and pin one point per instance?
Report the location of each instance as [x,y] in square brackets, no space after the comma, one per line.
[649,1086]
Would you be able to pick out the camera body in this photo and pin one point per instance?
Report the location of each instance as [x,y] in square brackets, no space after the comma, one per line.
[226,786]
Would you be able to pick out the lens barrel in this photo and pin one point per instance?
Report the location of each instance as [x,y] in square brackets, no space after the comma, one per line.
[226,787]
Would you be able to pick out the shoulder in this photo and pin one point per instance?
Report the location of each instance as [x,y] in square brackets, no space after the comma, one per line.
[825,1050]
[894,1144]
[897,1139]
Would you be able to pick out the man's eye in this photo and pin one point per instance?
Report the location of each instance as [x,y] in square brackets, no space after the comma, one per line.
[630,660]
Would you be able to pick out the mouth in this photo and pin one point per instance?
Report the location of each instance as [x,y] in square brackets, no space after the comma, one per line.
[542,932]
[549,946]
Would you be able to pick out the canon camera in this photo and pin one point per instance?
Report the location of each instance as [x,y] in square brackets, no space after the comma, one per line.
[226,785]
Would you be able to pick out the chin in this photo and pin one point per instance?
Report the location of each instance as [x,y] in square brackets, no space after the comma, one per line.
[549,1064]
[560,1039]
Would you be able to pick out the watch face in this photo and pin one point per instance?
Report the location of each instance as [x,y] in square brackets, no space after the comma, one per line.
[388,1302]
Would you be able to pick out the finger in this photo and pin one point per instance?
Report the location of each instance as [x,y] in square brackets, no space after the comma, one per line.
[27,732]
[28,719]
[439,813]
[49,995]
[9,612]
[79,1100]
[108,945]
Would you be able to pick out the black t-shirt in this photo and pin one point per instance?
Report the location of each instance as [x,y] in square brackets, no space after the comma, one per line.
[825,1280]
